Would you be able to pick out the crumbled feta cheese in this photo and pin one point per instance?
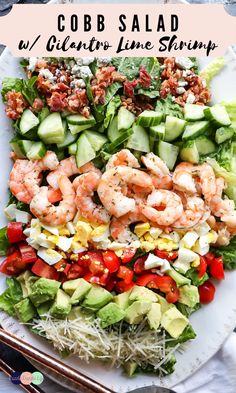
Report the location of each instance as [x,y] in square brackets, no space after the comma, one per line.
[190,99]
[180,90]
[75,69]
[32,63]
[85,72]
[87,60]
[47,74]
[101,61]
[182,83]
[79,83]
[184,62]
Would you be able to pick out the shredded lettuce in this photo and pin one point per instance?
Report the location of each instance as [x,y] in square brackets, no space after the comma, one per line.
[212,69]
[188,334]
[113,105]
[12,295]
[230,177]
[9,84]
[196,280]
[169,108]
[228,253]
[4,243]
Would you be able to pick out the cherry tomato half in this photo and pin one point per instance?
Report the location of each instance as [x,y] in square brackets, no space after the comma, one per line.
[128,254]
[139,265]
[206,292]
[111,261]
[126,274]
[217,268]
[42,269]
[202,268]
[15,232]
[169,255]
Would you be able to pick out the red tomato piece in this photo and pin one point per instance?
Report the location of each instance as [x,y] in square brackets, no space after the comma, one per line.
[202,268]
[99,280]
[173,295]
[128,254]
[75,271]
[139,265]
[209,257]
[111,283]
[122,286]
[95,264]
[28,253]
[15,232]
[217,269]
[169,255]
[111,261]
[13,265]
[62,266]
[42,269]
[126,274]
[206,292]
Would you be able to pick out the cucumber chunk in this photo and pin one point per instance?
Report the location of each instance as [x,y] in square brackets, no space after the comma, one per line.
[174,127]
[28,121]
[218,115]
[37,151]
[51,129]
[69,139]
[189,152]
[72,149]
[223,134]
[168,153]
[125,119]
[195,129]
[204,145]
[80,120]
[96,139]
[139,140]
[74,129]
[149,118]
[193,112]
[112,131]
[20,147]
[85,151]
[157,132]
[119,141]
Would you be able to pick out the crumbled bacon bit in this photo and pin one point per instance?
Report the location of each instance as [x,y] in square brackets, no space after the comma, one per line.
[168,86]
[57,101]
[144,77]
[15,104]
[129,88]
[43,85]
[77,101]
[37,104]
[137,104]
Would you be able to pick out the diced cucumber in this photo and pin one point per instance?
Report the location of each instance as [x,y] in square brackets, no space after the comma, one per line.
[37,151]
[193,112]
[157,132]
[149,118]
[20,147]
[189,152]
[85,151]
[72,149]
[218,115]
[119,141]
[112,131]
[96,139]
[80,120]
[168,153]
[195,129]
[223,134]
[139,140]
[51,129]
[69,139]
[204,145]
[77,129]
[28,121]
[174,127]
[125,119]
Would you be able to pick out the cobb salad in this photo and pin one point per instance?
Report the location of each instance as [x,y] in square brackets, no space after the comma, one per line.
[121,207]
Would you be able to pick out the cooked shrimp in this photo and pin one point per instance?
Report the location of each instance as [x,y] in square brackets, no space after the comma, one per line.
[194,210]
[183,179]
[17,180]
[224,234]
[219,206]
[168,202]
[110,188]
[85,186]
[55,215]
[207,180]
[159,171]
[68,167]
[123,157]
[119,227]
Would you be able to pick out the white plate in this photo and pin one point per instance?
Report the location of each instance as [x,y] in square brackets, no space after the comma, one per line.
[212,323]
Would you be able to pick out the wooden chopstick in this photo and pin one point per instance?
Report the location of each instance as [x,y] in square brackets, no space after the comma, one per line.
[86,384]
[9,371]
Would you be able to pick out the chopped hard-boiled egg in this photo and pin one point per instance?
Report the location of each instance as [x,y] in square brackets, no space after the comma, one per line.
[49,256]
[12,213]
[64,231]
[64,243]
[203,229]
[155,232]
[53,230]
[189,239]
[76,247]
[141,229]
[185,257]
[83,233]
[153,261]
[166,244]
[43,241]
[147,246]
[100,233]
[70,226]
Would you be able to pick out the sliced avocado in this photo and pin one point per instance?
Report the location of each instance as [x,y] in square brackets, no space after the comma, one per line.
[189,295]
[43,308]
[25,310]
[72,285]
[130,368]
[79,312]
[142,293]
[43,290]
[136,311]
[26,280]
[122,300]
[96,298]
[154,316]
[179,278]
[174,322]
[110,314]
[82,290]
[61,306]
[164,304]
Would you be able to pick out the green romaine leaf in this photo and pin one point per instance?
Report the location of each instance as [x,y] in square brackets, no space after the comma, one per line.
[111,91]
[97,111]
[29,90]
[12,295]
[43,114]
[188,334]
[113,105]
[153,69]
[230,177]
[187,311]
[231,109]
[169,108]
[130,66]
[193,275]
[9,84]
[228,253]
[19,205]
[4,243]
